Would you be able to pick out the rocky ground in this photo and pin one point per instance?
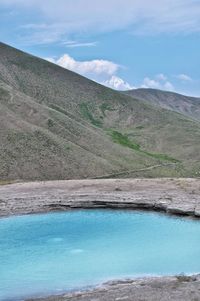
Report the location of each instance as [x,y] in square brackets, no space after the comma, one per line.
[180,288]
[173,196]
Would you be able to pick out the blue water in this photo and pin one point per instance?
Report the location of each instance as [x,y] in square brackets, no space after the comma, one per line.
[52,253]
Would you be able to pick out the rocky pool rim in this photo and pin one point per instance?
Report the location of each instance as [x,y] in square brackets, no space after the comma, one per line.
[177,209]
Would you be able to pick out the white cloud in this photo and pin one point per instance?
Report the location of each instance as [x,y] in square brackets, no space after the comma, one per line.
[161,84]
[89,16]
[117,83]
[184,77]
[102,71]
[161,76]
[150,83]
[168,86]
[105,72]
[74,44]
[91,68]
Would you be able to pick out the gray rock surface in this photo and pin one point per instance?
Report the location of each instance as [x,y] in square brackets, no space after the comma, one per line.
[173,196]
[177,288]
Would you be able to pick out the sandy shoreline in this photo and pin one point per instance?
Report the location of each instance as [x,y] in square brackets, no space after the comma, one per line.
[173,196]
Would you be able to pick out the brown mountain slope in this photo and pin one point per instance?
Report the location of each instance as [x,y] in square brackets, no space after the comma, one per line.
[189,106]
[56,124]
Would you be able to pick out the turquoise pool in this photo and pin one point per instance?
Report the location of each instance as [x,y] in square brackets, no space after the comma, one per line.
[51,253]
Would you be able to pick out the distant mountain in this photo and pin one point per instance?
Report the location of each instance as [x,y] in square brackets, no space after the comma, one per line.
[56,124]
[189,106]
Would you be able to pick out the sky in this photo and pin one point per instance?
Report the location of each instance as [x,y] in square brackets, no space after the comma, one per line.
[123,44]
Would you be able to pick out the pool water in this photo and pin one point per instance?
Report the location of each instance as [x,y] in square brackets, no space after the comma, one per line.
[53,253]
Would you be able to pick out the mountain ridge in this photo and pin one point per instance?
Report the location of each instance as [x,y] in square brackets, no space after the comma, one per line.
[186,105]
[56,124]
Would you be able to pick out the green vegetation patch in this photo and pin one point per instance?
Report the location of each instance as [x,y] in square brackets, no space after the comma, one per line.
[161,157]
[119,138]
[4,94]
[50,123]
[122,139]
[88,115]
[105,107]
[139,127]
